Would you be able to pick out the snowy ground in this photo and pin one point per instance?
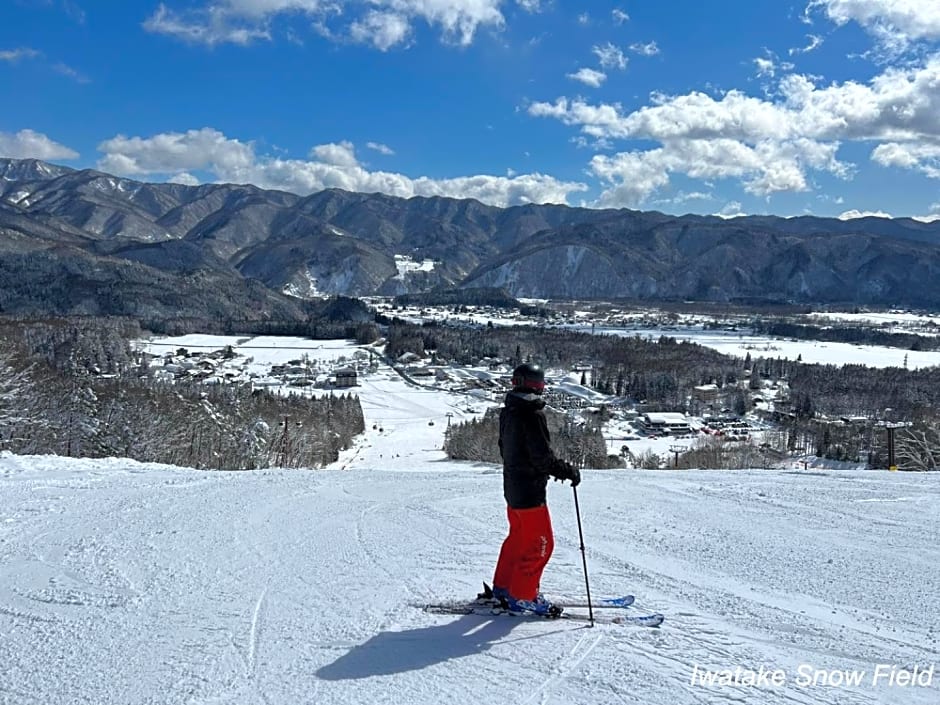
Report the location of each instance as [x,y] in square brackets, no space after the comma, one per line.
[741,344]
[129,583]
[132,584]
[893,320]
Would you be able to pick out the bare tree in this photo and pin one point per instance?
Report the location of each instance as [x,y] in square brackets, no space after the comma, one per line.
[16,398]
[918,448]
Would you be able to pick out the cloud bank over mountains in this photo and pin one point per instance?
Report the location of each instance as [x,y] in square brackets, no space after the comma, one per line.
[27,144]
[333,165]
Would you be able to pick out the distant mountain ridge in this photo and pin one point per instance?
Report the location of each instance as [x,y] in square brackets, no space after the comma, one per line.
[268,250]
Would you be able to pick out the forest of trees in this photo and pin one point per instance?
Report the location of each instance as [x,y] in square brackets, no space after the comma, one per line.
[581,444]
[335,318]
[75,387]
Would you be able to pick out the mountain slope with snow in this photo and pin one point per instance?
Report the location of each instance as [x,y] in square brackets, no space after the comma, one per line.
[339,242]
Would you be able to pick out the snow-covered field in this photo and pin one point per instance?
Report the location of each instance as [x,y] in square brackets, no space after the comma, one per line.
[901,320]
[741,344]
[729,342]
[130,583]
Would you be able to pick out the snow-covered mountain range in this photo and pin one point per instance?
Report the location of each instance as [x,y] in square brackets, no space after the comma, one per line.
[116,239]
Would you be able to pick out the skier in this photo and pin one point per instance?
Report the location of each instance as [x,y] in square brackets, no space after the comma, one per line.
[528,461]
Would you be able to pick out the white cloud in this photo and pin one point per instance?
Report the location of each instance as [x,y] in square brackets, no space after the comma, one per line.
[590,77]
[382,23]
[769,143]
[211,26]
[648,49]
[582,142]
[263,8]
[381,148]
[619,16]
[610,56]
[383,30]
[630,178]
[584,19]
[693,116]
[896,22]
[768,65]
[765,67]
[27,144]
[14,55]
[342,154]
[854,213]
[330,166]
[530,5]
[815,41]
[932,218]
[67,70]
[684,197]
[184,178]
[172,152]
[73,11]
[459,19]
[922,157]
[693,196]
[732,209]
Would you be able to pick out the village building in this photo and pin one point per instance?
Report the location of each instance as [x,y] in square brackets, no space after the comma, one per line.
[346,377]
[665,424]
[706,393]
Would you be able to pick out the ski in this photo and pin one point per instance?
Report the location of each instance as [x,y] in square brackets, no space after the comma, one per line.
[608,602]
[464,608]
[486,598]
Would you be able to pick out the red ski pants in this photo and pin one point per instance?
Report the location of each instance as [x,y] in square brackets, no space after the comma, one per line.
[525,552]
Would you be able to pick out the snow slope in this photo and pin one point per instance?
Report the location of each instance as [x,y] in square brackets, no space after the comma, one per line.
[129,583]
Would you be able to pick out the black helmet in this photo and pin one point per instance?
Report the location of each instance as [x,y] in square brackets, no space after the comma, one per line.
[528,377]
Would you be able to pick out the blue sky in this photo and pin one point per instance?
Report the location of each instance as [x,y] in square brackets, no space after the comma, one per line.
[827,107]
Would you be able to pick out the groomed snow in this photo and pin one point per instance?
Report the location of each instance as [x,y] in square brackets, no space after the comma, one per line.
[131,583]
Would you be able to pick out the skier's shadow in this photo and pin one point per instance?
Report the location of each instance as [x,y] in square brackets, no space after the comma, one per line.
[412,650]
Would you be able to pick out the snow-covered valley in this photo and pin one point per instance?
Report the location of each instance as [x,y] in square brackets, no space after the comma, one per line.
[129,583]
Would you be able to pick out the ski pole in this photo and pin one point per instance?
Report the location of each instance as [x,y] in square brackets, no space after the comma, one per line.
[587,585]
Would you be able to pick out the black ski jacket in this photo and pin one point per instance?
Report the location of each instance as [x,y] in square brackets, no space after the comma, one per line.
[528,460]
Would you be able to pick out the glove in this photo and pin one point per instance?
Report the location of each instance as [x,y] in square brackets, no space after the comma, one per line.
[575,477]
[567,471]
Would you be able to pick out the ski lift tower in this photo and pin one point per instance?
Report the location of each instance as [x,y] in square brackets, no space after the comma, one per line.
[893,426]
[676,449]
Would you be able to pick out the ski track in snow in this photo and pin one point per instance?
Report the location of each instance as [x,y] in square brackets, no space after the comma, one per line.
[130,583]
